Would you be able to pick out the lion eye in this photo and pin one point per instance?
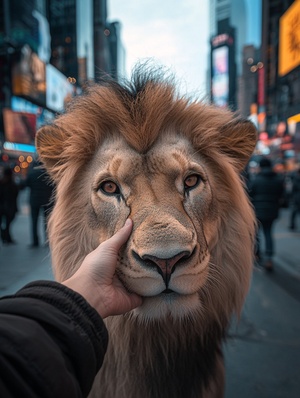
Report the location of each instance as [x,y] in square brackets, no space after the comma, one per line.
[191,181]
[110,188]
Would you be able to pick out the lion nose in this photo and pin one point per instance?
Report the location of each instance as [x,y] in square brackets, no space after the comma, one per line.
[165,266]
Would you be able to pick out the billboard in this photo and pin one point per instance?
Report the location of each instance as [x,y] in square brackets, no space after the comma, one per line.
[289,40]
[59,90]
[220,76]
[29,76]
[43,116]
[19,127]
[294,130]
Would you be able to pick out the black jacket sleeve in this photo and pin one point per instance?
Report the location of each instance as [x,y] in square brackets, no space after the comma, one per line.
[52,343]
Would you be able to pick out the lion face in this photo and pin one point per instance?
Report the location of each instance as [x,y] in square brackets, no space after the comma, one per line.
[174,168]
[167,194]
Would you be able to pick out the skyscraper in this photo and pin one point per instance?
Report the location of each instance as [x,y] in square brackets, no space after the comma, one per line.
[243,16]
[282,86]
[234,11]
[49,49]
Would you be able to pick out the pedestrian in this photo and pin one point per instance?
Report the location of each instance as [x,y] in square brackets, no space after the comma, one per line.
[246,176]
[295,199]
[9,191]
[41,199]
[266,191]
[52,335]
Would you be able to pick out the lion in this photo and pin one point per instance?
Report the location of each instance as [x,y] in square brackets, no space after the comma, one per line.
[173,165]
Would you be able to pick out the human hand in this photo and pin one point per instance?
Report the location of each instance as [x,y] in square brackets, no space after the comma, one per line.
[97,282]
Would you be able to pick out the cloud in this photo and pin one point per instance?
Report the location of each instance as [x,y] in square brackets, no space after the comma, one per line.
[173,33]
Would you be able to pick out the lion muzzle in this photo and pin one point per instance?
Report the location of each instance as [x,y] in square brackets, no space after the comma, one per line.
[165,266]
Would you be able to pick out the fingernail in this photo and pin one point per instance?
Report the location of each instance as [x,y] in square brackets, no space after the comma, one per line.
[128,222]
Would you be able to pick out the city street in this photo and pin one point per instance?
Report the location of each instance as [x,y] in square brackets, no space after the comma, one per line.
[262,352]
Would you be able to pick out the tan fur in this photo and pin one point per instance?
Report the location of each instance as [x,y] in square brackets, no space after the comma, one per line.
[148,140]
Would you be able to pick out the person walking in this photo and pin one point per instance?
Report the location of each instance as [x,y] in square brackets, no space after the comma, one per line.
[295,200]
[266,191]
[9,191]
[41,198]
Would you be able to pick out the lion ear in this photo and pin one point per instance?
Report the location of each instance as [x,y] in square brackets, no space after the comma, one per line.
[50,142]
[238,139]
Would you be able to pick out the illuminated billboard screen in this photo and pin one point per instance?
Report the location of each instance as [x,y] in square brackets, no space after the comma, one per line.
[59,90]
[43,116]
[289,40]
[29,76]
[220,76]
[19,127]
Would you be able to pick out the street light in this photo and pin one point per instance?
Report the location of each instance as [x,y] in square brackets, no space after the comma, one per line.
[255,67]
[259,114]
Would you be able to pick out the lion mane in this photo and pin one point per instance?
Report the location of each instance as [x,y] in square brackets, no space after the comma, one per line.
[177,164]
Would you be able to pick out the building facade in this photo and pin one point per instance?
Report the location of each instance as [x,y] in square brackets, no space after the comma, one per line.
[244,17]
[282,87]
[49,50]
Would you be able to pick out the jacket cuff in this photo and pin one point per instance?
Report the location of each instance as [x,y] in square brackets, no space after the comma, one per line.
[75,307]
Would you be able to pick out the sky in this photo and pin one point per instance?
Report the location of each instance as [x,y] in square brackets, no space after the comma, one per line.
[173,33]
[253,9]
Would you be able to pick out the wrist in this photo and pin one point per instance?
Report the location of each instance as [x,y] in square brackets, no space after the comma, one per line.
[90,292]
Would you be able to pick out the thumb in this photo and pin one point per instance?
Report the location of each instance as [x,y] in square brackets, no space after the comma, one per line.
[104,257]
[119,238]
[109,249]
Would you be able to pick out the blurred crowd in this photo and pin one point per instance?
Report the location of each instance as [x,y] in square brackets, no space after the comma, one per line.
[270,190]
[40,200]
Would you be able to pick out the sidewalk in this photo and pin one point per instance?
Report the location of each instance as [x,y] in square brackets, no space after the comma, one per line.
[287,244]
[18,263]
[262,353]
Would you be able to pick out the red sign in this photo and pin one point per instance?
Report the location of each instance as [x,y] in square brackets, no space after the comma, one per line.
[261,86]
[19,127]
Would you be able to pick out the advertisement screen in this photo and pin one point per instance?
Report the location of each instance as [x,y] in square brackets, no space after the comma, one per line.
[29,76]
[14,147]
[43,116]
[19,127]
[59,90]
[220,76]
[289,40]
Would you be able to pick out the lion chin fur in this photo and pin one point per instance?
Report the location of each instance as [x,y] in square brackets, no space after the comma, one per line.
[174,166]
